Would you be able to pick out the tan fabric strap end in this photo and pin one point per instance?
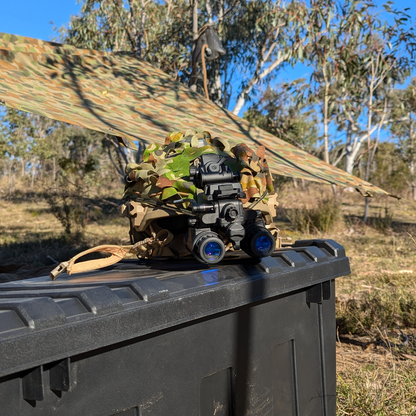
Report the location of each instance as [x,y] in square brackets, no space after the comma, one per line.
[117,254]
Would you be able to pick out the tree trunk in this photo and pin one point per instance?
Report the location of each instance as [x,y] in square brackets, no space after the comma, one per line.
[135,32]
[54,170]
[349,156]
[334,192]
[353,147]
[369,131]
[254,80]
[225,93]
[366,209]
[194,75]
[33,178]
[412,163]
[216,87]
[326,121]
[121,161]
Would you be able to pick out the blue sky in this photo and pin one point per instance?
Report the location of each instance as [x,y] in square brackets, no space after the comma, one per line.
[31,17]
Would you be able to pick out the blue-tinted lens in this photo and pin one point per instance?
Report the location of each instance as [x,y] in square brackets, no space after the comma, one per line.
[263,244]
[212,250]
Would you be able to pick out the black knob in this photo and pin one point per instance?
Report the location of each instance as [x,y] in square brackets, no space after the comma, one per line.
[233,213]
[192,172]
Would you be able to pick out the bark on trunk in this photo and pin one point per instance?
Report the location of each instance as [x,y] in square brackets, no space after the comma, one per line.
[366,209]
[194,75]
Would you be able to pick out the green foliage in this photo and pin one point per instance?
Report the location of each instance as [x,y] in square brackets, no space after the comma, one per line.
[358,55]
[323,217]
[156,30]
[68,196]
[259,37]
[389,169]
[382,59]
[348,43]
[278,113]
[69,163]
[403,128]
[68,205]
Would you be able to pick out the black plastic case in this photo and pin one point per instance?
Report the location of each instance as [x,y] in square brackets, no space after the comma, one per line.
[173,339]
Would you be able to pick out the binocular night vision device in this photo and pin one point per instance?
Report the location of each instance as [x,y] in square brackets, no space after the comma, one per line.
[222,218]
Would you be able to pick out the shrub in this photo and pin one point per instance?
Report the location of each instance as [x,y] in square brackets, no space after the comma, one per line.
[385,310]
[382,222]
[321,218]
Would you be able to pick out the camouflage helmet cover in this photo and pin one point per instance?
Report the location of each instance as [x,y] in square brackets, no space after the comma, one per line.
[160,185]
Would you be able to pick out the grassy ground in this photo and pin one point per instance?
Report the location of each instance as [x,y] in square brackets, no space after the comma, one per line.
[376,304]
[30,234]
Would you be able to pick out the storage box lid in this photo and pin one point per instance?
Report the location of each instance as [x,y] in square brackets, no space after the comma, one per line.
[43,321]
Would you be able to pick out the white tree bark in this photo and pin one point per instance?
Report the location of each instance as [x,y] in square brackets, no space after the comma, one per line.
[265,54]
[256,78]
[353,146]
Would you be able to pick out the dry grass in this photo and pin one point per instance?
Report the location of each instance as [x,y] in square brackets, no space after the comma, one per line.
[374,380]
[375,305]
[30,234]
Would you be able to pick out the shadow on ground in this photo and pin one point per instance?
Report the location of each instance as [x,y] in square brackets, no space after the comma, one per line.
[37,256]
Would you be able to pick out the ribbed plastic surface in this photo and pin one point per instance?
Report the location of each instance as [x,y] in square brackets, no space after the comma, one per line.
[173,338]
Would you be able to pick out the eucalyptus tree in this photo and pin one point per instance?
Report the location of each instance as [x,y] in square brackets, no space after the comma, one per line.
[333,38]
[23,132]
[19,130]
[275,35]
[277,112]
[382,59]
[260,36]
[33,142]
[403,128]
[338,36]
[324,31]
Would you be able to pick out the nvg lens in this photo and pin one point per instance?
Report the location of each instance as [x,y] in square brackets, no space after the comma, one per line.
[263,244]
[208,248]
[213,250]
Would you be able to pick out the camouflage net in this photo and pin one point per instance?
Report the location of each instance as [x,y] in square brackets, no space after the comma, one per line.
[165,169]
[120,94]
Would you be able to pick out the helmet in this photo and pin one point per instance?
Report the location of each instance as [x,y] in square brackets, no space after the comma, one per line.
[161,196]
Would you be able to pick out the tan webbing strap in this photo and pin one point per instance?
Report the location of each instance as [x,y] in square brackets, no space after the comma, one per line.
[117,254]
[149,246]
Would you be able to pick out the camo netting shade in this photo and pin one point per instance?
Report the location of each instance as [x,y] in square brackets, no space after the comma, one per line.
[118,93]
